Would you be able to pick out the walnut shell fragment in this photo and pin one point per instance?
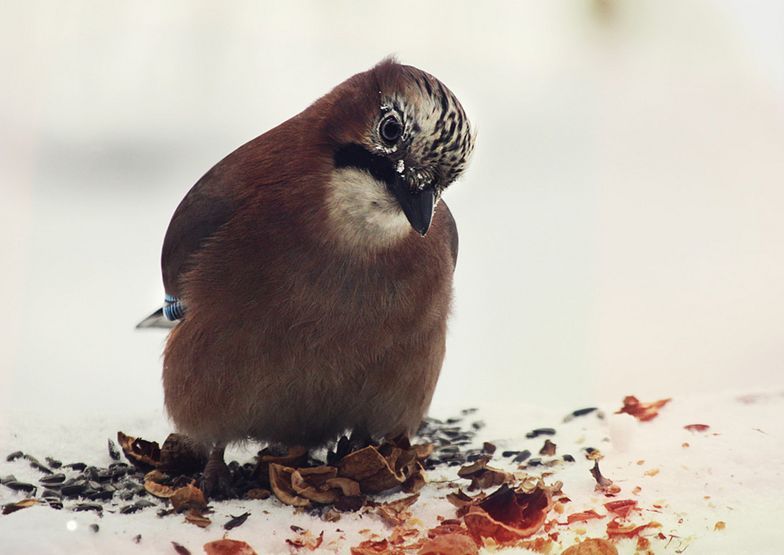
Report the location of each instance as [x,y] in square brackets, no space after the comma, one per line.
[347,486]
[371,547]
[376,473]
[195,516]
[161,491]
[188,497]
[294,457]
[228,547]
[416,481]
[449,544]
[622,507]
[310,483]
[483,476]
[318,484]
[508,515]
[143,454]
[306,540]
[321,484]
[618,529]
[592,546]
[462,500]
[583,516]
[423,450]
[280,481]
[396,512]
[642,411]
[548,448]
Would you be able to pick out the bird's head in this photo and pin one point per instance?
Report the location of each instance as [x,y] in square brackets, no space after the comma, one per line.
[399,138]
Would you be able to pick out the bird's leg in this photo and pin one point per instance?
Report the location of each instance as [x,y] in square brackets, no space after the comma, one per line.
[348,444]
[217,479]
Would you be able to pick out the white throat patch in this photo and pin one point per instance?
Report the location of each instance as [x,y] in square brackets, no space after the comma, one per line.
[363,213]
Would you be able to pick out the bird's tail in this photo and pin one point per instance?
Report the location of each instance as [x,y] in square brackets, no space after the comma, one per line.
[156,320]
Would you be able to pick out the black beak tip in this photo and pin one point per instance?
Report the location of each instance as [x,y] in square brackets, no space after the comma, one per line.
[420,211]
[417,205]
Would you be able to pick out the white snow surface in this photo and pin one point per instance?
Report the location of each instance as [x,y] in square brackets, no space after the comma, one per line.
[730,473]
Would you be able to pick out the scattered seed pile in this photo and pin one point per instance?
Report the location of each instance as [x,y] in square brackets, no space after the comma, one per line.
[522,509]
[173,471]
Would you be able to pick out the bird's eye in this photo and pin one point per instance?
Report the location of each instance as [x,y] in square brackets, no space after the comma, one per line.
[390,129]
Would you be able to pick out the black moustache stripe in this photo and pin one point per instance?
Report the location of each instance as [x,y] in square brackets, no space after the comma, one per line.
[355,156]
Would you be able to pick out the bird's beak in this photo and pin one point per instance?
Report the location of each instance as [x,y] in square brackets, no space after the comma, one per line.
[417,205]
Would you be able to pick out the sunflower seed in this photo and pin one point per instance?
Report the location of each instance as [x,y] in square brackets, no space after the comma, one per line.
[54,463]
[540,432]
[52,479]
[97,507]
[20,486]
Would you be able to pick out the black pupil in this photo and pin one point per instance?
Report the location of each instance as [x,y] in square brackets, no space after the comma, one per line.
[391,130]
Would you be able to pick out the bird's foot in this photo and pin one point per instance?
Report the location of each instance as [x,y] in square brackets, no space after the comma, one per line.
[348,444]
[217,482]
[359,440]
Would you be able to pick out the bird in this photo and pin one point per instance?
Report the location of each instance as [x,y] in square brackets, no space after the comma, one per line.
[308,274]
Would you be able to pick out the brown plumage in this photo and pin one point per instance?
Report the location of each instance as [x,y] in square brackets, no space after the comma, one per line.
[316,289]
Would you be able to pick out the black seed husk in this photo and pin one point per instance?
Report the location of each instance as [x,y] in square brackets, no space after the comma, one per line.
[72,487]
[52,479]
[54,502]
[54,463]
[88,507]
[114,452]
[540,432]
[20,486]
[37,465]
[236,521]
[582,412]
[180,549]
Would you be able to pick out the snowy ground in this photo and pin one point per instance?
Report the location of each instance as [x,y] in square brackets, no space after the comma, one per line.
[689,481]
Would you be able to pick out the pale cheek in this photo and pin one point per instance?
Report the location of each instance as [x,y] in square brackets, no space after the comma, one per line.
[363,214]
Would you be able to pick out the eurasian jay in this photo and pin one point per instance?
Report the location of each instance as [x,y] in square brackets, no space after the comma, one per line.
[310,271]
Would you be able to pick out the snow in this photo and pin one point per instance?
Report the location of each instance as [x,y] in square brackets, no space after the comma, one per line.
[727,473]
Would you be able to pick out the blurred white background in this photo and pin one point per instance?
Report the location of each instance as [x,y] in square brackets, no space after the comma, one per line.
[621,225]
